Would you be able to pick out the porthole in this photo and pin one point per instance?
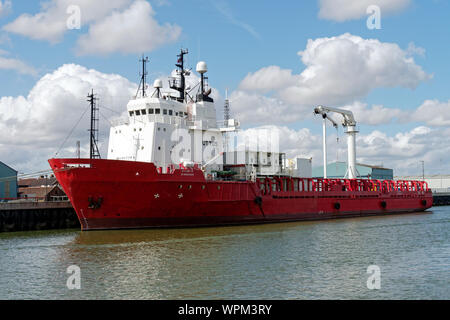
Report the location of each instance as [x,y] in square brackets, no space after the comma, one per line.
[159,148]
[203,187]
[218,187]
[180,186]
[190,187]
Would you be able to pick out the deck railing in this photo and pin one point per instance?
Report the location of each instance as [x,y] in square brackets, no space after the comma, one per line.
[287,184]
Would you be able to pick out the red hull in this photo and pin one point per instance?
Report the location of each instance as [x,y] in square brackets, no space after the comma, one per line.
[110,194]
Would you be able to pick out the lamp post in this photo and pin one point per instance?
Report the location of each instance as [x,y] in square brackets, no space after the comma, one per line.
[46,184]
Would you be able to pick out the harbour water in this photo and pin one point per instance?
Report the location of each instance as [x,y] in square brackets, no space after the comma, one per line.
[304,260]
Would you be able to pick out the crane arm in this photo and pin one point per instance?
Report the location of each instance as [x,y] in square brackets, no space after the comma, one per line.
[349,119]
[331,120]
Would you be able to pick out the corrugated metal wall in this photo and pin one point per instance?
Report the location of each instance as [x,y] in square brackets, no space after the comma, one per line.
[339,169]
[8,182]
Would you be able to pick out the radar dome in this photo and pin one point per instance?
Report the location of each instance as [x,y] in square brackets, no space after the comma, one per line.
[202,67]
[158,84]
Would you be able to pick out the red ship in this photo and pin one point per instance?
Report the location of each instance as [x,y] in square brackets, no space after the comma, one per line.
[149,180]
[110,194]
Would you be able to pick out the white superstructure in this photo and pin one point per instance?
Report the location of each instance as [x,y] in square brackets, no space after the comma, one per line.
[168,129]
[172,129]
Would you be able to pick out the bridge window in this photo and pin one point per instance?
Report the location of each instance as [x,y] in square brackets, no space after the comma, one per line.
[151,111]
[170,112]
[138,112]
[131,113]
[157,111]
[144,112]
[164,111]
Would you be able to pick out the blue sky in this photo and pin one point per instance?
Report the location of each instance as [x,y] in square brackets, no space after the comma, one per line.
[241,37]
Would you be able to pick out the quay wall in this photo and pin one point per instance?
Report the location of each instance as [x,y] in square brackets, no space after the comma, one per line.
[30,216]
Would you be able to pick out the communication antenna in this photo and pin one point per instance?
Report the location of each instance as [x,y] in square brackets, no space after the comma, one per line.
[143,83]
[94,153]
[181,86]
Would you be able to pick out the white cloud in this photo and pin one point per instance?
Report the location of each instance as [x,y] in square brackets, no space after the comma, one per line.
[33,127]
[126,26]
[414,50]
[346,67]
[375,115]
[133,30]
[50,24]
[339,71]
[267,79]
[254,108]
[15,64]
[5,7]
[433,113]
[342,10]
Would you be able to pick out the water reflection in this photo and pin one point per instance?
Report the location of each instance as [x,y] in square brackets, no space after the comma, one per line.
[304,260]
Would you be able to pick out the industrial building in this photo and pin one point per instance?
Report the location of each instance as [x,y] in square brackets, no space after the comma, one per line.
[41,189]
[338,170]
[437,183]
[8,182]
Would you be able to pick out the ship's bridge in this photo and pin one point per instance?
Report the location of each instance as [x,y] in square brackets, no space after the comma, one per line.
[157,110]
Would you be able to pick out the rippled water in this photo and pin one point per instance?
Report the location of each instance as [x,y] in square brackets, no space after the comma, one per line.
[304,260]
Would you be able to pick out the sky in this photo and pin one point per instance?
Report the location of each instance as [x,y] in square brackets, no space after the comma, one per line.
[278,60]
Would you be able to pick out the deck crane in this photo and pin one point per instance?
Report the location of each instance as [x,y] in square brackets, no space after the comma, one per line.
[349,123]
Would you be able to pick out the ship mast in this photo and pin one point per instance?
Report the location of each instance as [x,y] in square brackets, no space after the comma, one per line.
[180,87]
[94,153]
[143,82]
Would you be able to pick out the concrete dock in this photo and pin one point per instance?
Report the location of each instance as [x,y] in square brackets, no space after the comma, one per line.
[441,199]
